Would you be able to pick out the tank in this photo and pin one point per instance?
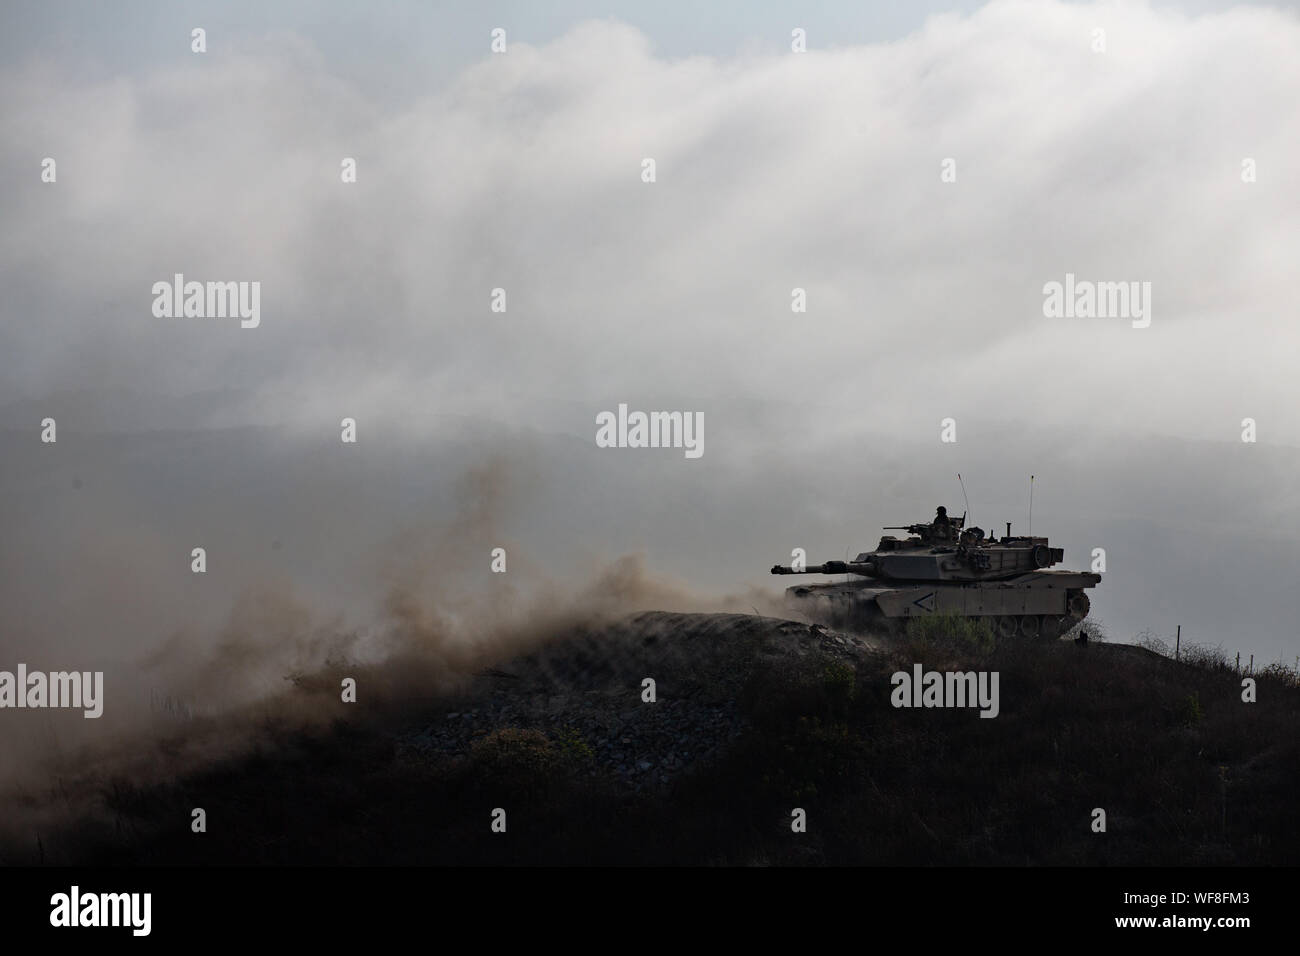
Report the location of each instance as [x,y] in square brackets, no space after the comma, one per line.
[951,569]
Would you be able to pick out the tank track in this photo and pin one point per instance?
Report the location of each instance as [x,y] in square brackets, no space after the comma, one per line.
[841,611]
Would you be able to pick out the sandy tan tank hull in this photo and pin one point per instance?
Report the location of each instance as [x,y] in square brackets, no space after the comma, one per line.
[1037,604]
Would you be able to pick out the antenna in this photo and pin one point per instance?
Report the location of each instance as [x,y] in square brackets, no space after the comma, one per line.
[963,497]
[1031,506]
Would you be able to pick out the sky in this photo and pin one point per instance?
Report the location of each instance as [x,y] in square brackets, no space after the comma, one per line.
[921,173]
[774,171]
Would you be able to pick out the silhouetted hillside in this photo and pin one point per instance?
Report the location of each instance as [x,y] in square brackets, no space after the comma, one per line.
[753,718]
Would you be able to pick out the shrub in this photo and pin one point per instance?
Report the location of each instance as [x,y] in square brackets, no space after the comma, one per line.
[776,695]
[954,631]
[1281,673]
[572,747]
[840,683]
[513,750]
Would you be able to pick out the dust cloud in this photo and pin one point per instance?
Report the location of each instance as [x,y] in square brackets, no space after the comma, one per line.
[276,664]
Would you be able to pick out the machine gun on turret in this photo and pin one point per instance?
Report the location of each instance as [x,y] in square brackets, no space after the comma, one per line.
[929,532]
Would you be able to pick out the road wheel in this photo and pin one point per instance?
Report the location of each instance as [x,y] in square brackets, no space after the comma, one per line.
[1054,626]
[1079,605]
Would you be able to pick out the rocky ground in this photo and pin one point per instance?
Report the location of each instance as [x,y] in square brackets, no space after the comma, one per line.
[588,691]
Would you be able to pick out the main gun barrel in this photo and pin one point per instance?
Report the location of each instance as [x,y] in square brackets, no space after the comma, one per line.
[830,567]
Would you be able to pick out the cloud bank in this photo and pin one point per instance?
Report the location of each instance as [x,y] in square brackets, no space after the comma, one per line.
[819,171]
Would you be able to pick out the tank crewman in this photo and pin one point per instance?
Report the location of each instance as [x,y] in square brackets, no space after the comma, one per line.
[941,527]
